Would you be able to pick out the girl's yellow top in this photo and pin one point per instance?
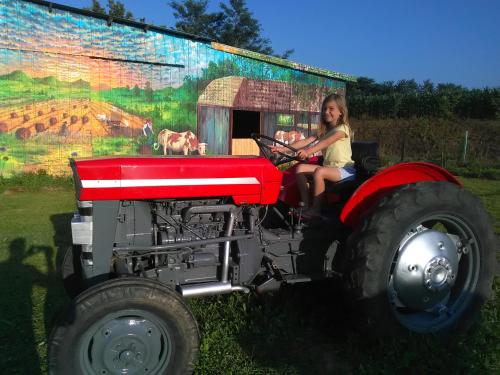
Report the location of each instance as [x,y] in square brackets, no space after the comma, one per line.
[339,153]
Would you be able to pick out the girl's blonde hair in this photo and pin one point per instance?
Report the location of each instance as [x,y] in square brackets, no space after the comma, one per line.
[344,114]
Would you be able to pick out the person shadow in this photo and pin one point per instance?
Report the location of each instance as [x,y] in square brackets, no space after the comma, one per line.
[22,285]
[32,297]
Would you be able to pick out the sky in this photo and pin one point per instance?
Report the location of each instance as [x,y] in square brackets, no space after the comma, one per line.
[445,41]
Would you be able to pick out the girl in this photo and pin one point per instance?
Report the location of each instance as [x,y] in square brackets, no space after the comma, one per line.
[334,141]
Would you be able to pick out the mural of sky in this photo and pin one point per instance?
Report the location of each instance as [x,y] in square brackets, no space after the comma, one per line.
[71,37]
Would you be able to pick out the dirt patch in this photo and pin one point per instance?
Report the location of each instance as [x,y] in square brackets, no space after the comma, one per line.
[14,190]
[21,189]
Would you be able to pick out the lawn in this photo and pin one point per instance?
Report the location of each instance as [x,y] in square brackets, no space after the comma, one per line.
[298,331]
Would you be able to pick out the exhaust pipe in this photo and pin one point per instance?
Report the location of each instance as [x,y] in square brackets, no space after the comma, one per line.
[210,289]
[224,286]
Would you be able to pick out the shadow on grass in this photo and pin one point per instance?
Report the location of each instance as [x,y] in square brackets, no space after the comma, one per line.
[19,347]
[31,294]
[299,329]
[307,329]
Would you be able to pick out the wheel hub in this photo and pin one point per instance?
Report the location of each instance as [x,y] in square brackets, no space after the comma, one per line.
[425,269]
[438,274]
[130,357]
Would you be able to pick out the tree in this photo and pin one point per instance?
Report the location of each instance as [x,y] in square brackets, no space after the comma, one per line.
[148,92]
[136,91]
[96,7]
[192,18]
[240,29]
[233,24]
[115,9]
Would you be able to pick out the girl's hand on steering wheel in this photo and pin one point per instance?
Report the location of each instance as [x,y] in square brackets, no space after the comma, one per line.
[302,154]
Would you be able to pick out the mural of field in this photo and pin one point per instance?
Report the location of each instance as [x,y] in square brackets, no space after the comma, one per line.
[69,119]
[73,86]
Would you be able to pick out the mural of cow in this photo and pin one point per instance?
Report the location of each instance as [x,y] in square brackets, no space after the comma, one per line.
[184,142]
[288,137]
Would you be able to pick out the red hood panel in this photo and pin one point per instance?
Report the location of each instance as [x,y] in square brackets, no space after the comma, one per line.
[252,180]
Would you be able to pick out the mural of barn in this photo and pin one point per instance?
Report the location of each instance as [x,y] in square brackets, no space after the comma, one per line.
[78,84]
[231,108]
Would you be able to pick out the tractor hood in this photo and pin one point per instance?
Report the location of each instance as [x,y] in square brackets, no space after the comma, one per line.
[248,180]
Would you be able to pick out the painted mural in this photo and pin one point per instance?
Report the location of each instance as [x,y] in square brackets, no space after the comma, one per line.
[74,86]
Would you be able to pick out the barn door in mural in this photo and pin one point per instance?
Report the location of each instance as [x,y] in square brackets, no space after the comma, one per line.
[213,129]
[244,124]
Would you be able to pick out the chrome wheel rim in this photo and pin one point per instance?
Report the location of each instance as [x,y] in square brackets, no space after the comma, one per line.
[434,273]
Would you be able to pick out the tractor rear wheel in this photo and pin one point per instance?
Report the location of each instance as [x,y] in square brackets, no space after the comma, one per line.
[422,261]
[125,326]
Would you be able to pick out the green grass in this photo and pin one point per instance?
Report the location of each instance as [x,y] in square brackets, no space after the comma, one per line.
[489,192]
[299,331]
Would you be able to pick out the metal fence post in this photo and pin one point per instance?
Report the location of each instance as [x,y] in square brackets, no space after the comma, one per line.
[464,151]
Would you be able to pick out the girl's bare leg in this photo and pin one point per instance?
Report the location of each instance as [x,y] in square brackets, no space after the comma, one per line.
[302,172]
[320,176]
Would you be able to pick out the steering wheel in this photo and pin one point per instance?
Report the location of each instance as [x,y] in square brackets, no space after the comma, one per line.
[277,157]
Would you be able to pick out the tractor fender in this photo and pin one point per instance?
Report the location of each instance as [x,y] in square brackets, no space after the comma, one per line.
[387,180]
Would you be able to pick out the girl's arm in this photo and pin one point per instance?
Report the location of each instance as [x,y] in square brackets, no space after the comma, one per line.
[303,142]
[298,145]
[305,153]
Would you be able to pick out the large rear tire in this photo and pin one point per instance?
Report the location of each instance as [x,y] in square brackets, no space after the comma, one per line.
[125,326]
[422,261]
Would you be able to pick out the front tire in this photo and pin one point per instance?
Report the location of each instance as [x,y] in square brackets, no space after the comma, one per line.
[127,325]
[71,271]
[422,261]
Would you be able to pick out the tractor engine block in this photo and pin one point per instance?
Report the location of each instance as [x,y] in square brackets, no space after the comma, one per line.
[171,226]
[170,222]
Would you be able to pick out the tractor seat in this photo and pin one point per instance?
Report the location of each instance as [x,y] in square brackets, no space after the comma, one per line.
[366,163]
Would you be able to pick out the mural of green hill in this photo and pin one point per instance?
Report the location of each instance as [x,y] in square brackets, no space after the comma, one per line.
[17,75]
[80,83]
[22,77]
[17,87]
[50,81]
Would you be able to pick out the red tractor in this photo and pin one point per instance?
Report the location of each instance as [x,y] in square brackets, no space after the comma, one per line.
[414,250]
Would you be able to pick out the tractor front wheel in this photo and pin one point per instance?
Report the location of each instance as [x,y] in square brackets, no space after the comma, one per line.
[422,261]
[125,326]
[71,271]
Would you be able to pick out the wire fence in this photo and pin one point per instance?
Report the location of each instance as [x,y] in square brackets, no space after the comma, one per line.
[444,142]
